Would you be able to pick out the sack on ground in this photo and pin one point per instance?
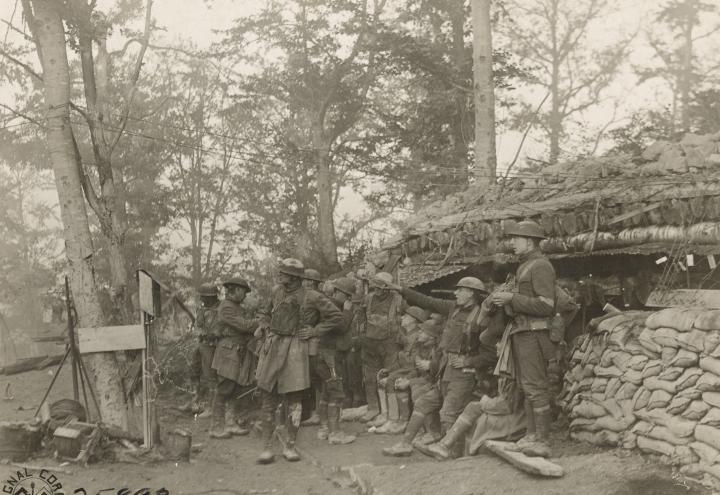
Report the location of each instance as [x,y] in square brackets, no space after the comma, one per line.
[696,410]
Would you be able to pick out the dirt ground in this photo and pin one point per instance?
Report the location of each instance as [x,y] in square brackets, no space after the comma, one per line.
[228,466]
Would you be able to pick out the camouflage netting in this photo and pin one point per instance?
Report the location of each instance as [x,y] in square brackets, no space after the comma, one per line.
[650,381]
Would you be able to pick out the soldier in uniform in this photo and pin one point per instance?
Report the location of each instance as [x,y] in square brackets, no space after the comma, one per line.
[467,344]
[380,342]
[234,360]
[529,349]
[203,378]
[292,316]
[312,280]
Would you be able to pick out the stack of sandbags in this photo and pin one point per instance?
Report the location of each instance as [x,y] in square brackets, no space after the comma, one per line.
[651,382]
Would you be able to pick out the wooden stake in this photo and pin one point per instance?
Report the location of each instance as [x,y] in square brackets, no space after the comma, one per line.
[147,440]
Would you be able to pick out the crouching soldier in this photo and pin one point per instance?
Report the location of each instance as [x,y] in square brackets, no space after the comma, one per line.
[527,349]
[233,360]
[293,316]
[463,352]
[203,378]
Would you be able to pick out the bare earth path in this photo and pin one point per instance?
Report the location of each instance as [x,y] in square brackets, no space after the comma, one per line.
[228,466]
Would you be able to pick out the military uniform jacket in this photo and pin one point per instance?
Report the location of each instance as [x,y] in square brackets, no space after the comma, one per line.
[206,323]
[469,331]
[343,337]
[382,316]
[533,301]
[284,358]
[234,358]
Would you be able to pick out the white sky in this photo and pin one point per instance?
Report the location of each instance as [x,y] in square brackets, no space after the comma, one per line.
[198,19]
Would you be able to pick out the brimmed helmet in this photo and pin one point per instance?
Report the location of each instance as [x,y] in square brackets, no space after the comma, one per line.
[312,274]
[238,281]
[345,285]
[207,290]
[471,283]
[526,228]
[292,267]
[418,313]
[382,278]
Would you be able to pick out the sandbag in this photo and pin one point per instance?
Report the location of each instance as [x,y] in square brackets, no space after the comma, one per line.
[662,433]
[679,426]
[681,319]
[636,348]
[602,437]
[586,424]
[654,446]
[705,452]
[587,409]
[710,364]
[612,388]
[612,424]
[693,340]
[642,396]
[618,338]
[654,383]
[708,320]
[688,379]
[629,440]
[709,435]
[658,399]
[678,405]
[667,355]
[607,372]
[671,374]
[633,376]
[626,391]
[585,384]
[682,456]
[652,368]
[646,340]
[712,398]
[637,363]
[626,405]
[599,385]
[691,393]
[712,418]
[612,406]
[708,382]
[712,343]
[606,358]
[684,359]
[642,428]
[696,410]
[611,323]
[620,359]
[666,337]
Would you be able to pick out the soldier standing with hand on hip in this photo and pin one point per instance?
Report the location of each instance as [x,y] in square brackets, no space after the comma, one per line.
[528,348]
[294,315]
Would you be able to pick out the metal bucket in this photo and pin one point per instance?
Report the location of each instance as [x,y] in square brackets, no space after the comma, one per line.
[179,444]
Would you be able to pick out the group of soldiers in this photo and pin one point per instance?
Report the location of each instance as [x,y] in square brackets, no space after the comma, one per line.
[422,363]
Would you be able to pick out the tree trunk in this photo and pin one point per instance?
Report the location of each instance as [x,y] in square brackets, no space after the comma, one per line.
[687,69]
[456,10]
[483,89]
[49,34]
[555,120]
[326,223]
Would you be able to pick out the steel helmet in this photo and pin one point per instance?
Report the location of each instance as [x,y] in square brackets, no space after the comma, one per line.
[526,228]
[418,313]
[239,281]
[292,267]
[345,285]
[471,283]
[382,278]
[208,290]
[312,274]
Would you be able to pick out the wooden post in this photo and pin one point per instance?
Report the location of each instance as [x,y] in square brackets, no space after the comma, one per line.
[147,438]
[71,338]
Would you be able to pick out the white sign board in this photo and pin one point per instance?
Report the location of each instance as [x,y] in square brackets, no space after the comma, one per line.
[110,339]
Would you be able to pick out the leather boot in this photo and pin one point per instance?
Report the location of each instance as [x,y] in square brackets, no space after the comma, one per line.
[541,446]
[443,450]
[290,453]
[192,403]
[337,436]
[232,421]
[371,394]
[404,447]
[432,431]
[323,410]
[393,426]
[529,437]
[217,430]
[381,418]
[267,456]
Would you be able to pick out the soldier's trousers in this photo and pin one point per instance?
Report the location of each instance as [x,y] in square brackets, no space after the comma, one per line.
[449,398]
[532,351]
[201,370]
[228,391]
[327,376]
[270,403]
[351,364]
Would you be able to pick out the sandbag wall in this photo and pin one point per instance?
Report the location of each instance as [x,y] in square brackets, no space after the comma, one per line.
[649,381]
